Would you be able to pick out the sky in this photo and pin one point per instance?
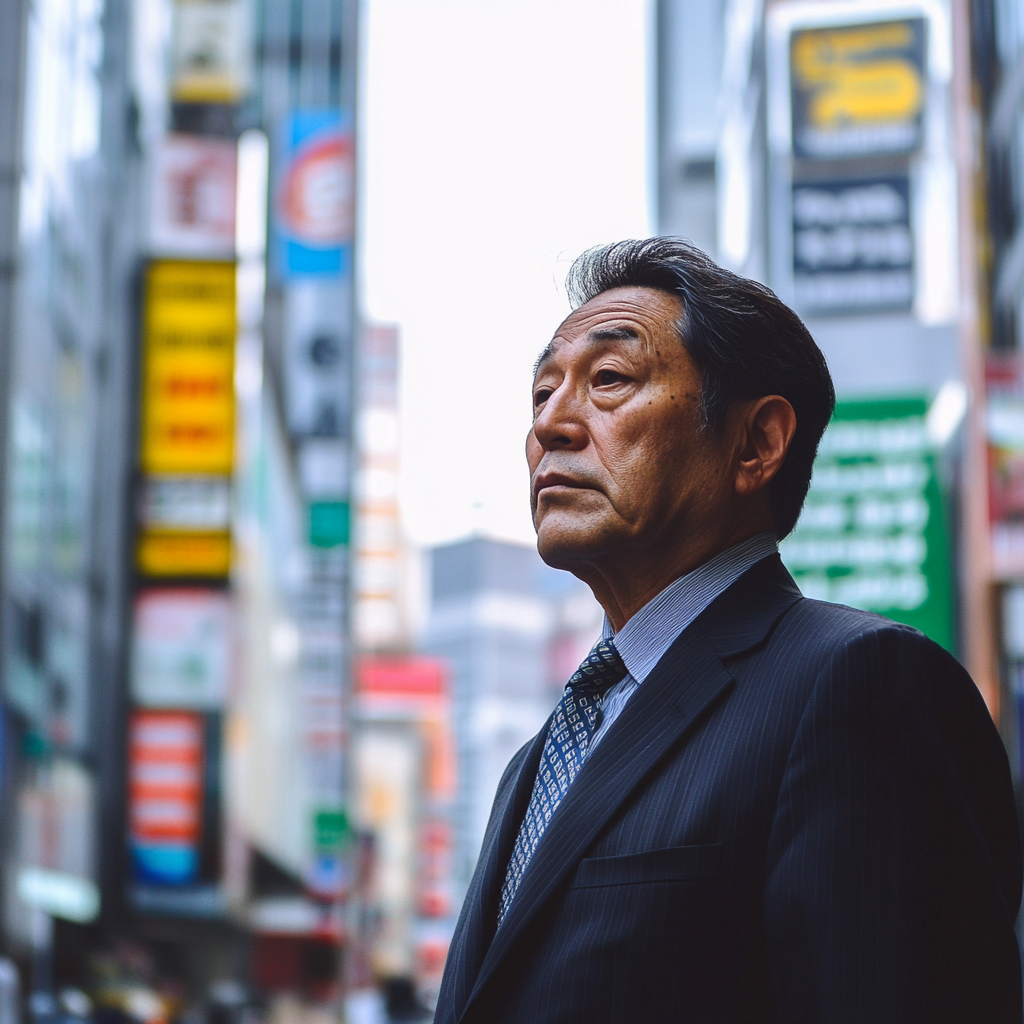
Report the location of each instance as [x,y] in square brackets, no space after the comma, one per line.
[501,138]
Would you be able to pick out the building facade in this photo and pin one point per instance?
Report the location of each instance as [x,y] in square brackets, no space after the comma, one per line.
[178,320]
[512,631]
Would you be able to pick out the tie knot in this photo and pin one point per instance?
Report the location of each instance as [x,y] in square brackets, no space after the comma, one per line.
[601,669]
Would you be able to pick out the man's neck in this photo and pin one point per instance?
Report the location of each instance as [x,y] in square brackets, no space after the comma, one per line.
[624,583]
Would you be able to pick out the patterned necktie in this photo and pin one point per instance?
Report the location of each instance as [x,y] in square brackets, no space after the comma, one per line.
[574,722]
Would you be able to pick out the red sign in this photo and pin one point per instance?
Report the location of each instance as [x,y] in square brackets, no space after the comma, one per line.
[165,792]
[402,677]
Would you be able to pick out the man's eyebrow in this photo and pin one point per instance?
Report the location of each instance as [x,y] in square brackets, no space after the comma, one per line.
[613,334]
[600,334]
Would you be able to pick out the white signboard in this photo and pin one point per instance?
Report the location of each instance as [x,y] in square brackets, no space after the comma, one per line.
[181,502]
[193,204]
[181,648]
[317,359]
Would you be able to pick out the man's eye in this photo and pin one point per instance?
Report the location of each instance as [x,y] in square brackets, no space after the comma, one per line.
[541,396]
[607,377]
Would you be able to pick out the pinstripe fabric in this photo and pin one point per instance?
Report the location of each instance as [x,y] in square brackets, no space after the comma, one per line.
[649,633]
[803,815]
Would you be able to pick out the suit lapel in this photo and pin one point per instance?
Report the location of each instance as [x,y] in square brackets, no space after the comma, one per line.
[686,681]
[479,917]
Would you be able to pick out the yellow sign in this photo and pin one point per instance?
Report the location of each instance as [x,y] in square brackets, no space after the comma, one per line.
[184,554]
[858,90]
[188,386]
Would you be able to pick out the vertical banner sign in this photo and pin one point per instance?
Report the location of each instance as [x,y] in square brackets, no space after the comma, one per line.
[873,532]
[318,358]
[188,417]
[312,243]
[415,690]
[314,213]
[165,766]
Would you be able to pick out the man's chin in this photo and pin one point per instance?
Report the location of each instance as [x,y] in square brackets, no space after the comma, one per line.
[563,545]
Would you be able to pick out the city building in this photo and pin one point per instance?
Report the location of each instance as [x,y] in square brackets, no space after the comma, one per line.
[512,630]
[387,586]
[71,232]
[178,319]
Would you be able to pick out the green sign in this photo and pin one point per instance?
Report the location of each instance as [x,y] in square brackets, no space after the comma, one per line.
[330,830]
[328,524]
[873,532]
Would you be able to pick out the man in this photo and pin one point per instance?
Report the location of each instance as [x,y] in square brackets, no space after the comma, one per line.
[748,806]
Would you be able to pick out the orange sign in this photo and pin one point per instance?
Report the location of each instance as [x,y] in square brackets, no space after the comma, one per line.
[184,554]
[188,386]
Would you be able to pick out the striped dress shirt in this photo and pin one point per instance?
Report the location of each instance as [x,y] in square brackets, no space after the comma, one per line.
[645,638]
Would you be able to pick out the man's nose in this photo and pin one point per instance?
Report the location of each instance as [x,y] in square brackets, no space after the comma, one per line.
[560,423]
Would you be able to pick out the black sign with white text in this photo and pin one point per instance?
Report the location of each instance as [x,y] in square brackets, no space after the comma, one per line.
[852,244]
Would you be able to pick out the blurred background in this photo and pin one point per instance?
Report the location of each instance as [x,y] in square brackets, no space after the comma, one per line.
[273,274]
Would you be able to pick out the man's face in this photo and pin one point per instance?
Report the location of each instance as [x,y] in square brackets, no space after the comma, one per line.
[618,461]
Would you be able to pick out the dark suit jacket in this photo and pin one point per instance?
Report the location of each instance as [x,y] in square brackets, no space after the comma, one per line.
[804,814]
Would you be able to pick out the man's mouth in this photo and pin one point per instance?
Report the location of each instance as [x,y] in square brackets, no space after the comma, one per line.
[550,481]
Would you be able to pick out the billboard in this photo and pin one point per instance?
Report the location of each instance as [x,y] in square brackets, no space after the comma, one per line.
[857,90]
[873,530]
[314,213]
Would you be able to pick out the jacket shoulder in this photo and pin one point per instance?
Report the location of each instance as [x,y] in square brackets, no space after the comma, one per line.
[814,637]
[839,625]
[840,622]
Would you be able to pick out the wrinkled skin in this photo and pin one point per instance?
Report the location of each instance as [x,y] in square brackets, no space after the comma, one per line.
[628,491]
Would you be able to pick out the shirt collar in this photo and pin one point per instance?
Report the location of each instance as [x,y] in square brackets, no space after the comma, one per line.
[651,631]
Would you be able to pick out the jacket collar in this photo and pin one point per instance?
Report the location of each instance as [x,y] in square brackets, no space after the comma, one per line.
[743,615]
[687,680]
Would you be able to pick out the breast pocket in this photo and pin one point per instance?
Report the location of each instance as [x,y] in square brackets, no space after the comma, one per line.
[672,864]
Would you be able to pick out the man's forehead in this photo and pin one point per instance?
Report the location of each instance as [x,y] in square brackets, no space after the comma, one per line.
[620,314]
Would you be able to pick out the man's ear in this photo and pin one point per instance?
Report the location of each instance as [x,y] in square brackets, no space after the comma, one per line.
[768,426]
